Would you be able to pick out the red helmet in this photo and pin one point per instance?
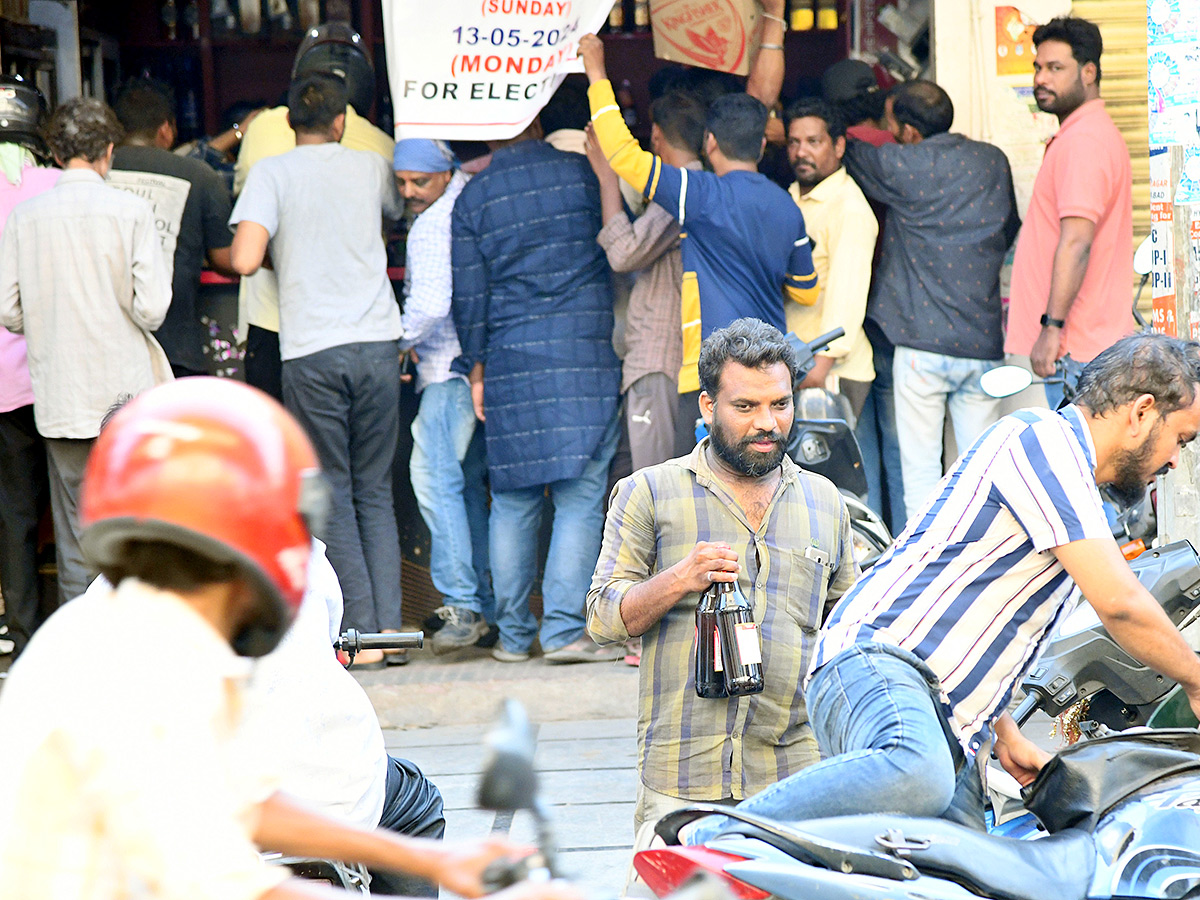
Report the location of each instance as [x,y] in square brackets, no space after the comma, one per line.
[216,467]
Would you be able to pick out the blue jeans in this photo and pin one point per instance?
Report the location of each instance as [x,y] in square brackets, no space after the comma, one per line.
[447,469]
[348,400]
[876,433]
[574,547]
[927,384]
[885,743]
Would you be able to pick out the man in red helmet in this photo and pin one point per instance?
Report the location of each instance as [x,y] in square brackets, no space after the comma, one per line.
[119,772]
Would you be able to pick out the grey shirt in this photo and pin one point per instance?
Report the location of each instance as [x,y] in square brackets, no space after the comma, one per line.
[323,206]
[951,218]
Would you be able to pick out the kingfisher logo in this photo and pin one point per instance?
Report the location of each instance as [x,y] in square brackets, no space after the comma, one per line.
[708,33]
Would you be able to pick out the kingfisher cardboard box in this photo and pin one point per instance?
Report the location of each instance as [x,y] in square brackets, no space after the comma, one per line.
[714,34]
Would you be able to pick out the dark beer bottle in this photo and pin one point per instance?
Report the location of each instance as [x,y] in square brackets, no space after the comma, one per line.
[710,667]
[741,648]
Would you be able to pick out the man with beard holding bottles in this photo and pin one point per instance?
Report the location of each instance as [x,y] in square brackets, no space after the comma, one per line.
[735,508]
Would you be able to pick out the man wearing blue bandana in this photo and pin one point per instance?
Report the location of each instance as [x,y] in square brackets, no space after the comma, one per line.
[447,464]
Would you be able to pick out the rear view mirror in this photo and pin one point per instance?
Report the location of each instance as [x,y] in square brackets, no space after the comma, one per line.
[1143,256]
[509,782]
[1004,381]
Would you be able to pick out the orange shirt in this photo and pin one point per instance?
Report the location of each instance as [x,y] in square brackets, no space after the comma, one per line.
[1085,173]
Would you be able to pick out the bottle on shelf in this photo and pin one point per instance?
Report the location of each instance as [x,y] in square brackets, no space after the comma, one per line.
[616,18]
[191,19]
[641,15]
[625,101]
[170,19]
[801,15]
[710,667]
[741,647]
[827,15]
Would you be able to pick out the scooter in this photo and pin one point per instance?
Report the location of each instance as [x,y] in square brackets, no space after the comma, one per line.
[1122,811]
[351,877]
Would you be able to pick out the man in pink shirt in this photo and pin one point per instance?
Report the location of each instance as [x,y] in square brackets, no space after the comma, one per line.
[1071,276]
[23,487]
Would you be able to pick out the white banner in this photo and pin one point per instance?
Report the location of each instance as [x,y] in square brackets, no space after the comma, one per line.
[480,69]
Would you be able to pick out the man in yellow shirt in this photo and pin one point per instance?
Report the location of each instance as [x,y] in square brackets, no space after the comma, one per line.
[843,229]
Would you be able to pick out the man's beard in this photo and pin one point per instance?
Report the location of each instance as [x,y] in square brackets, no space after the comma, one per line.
[809,177]
[741,458]
[1062,104]
[1129,486]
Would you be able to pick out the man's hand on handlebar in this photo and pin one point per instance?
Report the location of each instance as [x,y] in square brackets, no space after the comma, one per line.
[460,867]
[1020,757]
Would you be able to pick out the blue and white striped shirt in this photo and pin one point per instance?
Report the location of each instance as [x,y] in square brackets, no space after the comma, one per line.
[971,586]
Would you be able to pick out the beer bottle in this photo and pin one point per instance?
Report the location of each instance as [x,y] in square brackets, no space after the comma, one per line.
[741,649]
[710,669]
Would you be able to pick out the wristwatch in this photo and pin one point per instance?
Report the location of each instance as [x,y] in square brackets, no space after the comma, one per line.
[1054,323]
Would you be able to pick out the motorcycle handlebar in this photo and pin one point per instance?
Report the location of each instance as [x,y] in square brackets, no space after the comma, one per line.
[1027,707]
[824,340]
[354,641]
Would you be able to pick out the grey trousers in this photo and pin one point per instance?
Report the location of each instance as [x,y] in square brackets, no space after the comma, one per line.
[67,459]
[651,406]
[348,400]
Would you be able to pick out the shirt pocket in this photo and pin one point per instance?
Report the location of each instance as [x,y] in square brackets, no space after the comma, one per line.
[807,584]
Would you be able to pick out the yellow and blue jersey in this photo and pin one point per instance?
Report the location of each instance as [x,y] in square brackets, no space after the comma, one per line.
[743,240]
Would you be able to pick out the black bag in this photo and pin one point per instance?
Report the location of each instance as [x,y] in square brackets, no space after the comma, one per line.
[1086,780]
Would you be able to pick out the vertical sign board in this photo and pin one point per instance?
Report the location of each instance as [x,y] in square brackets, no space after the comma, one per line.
[480,69]
[1162,271]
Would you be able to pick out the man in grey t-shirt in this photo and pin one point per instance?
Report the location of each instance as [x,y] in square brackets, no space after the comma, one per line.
[318,208]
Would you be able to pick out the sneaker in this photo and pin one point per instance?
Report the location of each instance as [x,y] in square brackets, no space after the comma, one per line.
[585,650]
[509,656]
[461,628]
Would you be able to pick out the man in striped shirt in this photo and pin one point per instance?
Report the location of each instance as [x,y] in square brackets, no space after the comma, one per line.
[916,665]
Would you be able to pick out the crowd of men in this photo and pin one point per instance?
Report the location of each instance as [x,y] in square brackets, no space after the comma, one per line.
[893,229]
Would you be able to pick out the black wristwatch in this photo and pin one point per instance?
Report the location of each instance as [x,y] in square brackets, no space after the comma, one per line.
[1055,323]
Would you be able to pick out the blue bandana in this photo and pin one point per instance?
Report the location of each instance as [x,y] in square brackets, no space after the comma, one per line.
[423,155]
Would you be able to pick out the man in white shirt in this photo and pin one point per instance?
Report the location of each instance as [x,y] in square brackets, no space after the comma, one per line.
[83,278]
[129,782]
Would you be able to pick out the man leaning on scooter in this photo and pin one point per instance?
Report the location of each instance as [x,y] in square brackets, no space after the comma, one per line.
[916,665]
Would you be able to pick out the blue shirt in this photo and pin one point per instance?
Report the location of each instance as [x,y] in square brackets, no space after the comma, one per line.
[971,587]
[533,302]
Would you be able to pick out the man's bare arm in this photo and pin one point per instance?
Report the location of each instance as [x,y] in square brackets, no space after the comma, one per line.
[766,75]
[1130,613]
[646,603]
[249,247]
[1066,277]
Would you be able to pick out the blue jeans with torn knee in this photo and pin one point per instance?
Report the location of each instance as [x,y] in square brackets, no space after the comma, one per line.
[874,712]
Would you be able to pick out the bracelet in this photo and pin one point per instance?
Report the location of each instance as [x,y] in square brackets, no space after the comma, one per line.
[770,46]
[237,131]
[782,22]
[1053,323]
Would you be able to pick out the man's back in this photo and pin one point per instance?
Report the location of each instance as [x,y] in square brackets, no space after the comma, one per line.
[533,301]
[84,260]
[951,218]
[323,206]
[192,213]
[107,764]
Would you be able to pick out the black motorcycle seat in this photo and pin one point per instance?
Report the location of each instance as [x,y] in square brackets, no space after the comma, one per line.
[1059,866]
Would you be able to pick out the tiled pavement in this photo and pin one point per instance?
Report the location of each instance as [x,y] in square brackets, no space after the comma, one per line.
[437,711]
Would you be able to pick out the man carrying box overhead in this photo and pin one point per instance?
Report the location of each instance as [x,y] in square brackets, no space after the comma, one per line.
[743,240]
